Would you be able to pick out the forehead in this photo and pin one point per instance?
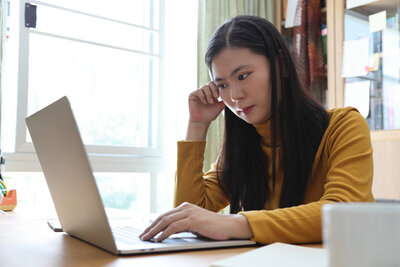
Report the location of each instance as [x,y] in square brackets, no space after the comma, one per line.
[230,59]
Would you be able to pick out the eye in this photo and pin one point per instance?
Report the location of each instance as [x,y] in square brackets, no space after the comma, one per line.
[243,76]
[221,86]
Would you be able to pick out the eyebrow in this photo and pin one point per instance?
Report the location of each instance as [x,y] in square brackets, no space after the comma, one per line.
[236,70]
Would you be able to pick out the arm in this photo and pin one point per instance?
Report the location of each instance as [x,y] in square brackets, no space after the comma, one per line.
[191,185]
[345,155]
[191,218]
[196,196]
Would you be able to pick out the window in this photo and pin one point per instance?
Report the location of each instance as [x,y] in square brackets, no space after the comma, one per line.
[106,60]
[127,67]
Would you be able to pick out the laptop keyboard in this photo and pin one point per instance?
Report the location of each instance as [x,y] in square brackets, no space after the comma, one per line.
[130,235]
[127,234]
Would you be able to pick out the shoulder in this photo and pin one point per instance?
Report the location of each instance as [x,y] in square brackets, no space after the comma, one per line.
[346,123]
[339,114]
[348,116]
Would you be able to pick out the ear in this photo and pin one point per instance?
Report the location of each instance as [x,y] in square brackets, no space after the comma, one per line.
[282,64]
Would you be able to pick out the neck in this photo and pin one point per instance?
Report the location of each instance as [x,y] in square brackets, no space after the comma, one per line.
[264,130]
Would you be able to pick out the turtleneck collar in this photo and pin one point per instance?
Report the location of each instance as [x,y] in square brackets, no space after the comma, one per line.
[264,130]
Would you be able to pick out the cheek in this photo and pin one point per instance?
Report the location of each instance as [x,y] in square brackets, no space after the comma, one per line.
[225,96]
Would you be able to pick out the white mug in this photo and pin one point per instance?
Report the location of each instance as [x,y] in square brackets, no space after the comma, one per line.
[362,234]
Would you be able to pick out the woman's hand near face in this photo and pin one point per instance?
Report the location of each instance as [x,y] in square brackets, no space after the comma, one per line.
[191,218]
[204,107]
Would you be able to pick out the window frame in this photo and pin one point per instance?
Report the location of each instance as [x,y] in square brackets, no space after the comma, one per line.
[102,158]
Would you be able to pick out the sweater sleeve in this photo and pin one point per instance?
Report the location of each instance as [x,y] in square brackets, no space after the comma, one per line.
[347,148]
[191,184]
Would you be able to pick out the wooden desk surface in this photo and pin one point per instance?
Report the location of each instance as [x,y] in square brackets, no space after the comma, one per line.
[27,241]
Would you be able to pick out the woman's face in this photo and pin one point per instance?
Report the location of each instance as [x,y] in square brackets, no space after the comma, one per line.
[244,84]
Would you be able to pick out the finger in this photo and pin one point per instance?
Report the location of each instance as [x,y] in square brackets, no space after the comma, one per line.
[163,224]
[200,94]
[222,105]
[181,207]
[174,228]
[153,224]
[150,227]
[156,229]
[214,89]
[208,93]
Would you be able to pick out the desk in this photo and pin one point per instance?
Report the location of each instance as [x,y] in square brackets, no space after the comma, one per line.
[28,241]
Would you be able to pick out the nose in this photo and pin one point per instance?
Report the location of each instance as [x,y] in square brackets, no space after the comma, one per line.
[237,93]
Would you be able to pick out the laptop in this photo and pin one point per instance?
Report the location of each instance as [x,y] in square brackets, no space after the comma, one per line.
[75,194]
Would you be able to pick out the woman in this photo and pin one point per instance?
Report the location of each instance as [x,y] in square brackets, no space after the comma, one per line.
[283,155]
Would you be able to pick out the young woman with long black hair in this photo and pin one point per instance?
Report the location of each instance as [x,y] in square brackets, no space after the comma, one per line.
[283,155]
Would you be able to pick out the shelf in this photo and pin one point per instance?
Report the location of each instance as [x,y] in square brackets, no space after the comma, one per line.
[356,78]
[374,7]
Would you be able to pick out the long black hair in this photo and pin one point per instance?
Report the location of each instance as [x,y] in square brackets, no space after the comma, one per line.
[302,121]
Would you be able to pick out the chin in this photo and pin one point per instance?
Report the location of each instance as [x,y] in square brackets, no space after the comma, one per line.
[249,120]
[255,121]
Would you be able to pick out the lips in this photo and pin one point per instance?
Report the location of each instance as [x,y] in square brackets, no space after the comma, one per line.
[246,110]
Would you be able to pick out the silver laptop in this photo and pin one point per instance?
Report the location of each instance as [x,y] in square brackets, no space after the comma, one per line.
[75,194]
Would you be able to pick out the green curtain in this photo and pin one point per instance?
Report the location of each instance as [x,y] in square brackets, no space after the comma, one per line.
[211,14]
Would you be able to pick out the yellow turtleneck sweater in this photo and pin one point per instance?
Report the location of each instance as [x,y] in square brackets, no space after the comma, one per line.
[342,172]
